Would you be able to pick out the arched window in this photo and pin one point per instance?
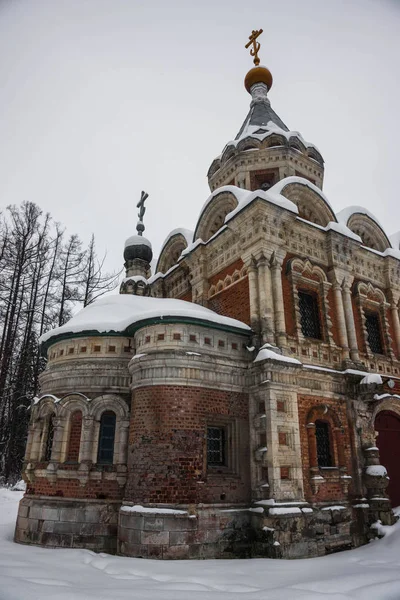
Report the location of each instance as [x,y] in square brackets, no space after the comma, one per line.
[374,332]
[74,442]
[49,439]
[324,449]
[309,315]
[105,453]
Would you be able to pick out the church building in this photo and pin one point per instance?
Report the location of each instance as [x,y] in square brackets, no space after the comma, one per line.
[244,399]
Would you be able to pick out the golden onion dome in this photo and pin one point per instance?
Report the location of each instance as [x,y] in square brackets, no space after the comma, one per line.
[258,75]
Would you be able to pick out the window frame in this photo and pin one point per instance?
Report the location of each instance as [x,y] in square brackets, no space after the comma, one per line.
[368,313]
[328,433]
[231,429]
[316,317]
[222,440]
[100,460]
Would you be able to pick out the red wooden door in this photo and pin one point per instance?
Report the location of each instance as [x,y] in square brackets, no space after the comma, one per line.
[388,441]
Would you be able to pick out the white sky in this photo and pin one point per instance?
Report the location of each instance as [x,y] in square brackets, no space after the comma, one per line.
[100,99]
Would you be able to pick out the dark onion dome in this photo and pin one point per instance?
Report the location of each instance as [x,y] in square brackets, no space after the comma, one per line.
[138,246]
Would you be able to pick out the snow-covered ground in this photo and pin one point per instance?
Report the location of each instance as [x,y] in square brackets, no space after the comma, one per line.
[31,573]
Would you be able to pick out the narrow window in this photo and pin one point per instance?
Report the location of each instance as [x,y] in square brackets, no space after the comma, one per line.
[49,440]
[215,446]
[285,472]
[105,454]
[373,326]
[324,452]
[74,442]
[309,315]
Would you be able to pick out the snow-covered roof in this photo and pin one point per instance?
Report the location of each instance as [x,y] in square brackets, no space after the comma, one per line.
[137,240]
[115,314]
[267,129]
[395,240]
[186,233]
[278,187]
[343,216]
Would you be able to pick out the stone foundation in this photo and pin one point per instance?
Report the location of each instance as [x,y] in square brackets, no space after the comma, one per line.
[191,533]
[209,533]
[62,523]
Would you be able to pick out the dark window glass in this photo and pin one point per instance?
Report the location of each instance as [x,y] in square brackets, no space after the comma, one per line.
[49,441]
[215,446]
[309,315]
[373,326]
[105,453]
[323,444]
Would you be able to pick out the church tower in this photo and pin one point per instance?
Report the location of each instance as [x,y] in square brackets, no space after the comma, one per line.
[264,151]
[138,255]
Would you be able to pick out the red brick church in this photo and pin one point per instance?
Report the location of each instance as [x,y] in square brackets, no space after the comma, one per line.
[243,400]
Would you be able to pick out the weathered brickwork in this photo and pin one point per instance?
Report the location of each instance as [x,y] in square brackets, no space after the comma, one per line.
[168,441]
[71,488]
[332,488]
[234,301]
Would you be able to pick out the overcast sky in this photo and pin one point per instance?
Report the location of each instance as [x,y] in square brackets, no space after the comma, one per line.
[100,99]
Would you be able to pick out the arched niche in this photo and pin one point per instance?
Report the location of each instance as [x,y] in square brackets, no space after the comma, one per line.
[312,206]
[213,216]
[370,232]
[171,252]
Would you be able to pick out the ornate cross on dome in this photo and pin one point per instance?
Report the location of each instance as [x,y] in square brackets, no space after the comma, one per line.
[140,205]
[256,45]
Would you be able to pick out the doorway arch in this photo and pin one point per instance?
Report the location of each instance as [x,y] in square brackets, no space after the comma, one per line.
[387,424]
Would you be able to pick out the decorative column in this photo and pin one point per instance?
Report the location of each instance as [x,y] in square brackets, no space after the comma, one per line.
[341,319]
[396,325]
[34,455]
[253,295]
[56,449]
[122,456]
[87,441]
[277,293]
[349,318]
[266,301]
[312,446]
[316,478]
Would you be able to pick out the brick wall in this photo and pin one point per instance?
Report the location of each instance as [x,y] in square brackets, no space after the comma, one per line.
[187,296]
[331,490]
[168,446]
[233,302]
[235,266]
[74,442]
[72,488]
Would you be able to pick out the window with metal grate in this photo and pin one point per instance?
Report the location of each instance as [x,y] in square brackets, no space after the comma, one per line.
[215,446]
[373,326]
[309,315]
[324,451]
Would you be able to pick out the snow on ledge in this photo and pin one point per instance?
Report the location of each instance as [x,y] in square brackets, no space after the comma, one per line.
[156,511]
[371,378]
[266,353]
[376,471]
[285,510]
[335,507]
